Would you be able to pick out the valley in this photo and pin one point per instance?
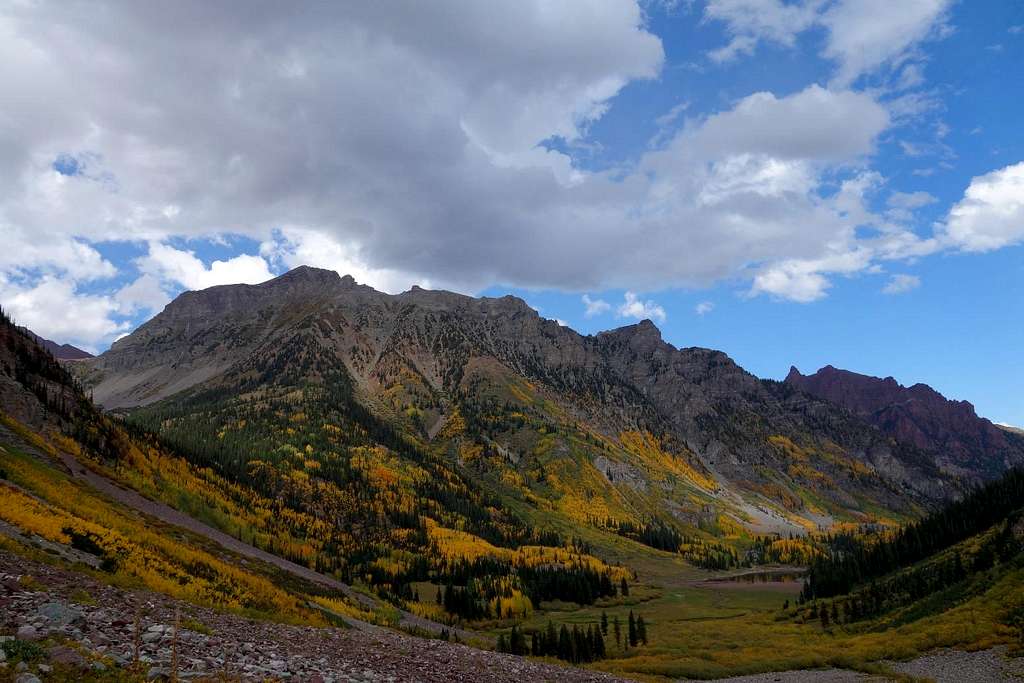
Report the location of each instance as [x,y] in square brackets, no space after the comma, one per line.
[312,452]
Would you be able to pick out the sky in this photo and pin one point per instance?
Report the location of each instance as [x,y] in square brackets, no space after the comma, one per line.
[795,183]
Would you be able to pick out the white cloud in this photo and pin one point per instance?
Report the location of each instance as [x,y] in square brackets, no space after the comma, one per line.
[594,306]
[863,35]
[900,283]
[634,307]
[867,34]
[703,308]
[145,294]
[183,268]
[991,214]
[351,137]
[53,309]
[804,280]
[292,246]
[903,204]
[751,21]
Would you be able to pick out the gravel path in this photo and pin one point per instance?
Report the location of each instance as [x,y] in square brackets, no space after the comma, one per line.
[955,666]
[103,634]
[944,666]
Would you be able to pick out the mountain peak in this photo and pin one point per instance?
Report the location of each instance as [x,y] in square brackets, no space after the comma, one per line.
[312,274]
[917,414]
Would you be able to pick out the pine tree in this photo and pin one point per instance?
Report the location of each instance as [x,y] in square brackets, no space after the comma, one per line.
[632,629]
[604,623]
[535,649]
[439,598]
[502,643]
[624,588]
[823,616]
[641,630]
[617,627]
[551,640]
[564,644]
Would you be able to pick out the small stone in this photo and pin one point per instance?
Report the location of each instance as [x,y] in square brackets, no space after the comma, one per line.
[22,666]
[152,636]
[45,668]
[27,678]
[155,673]
[28,633]
[59,614]
[66,656]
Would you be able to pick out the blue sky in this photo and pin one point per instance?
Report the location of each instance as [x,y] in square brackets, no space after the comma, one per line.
[795,183]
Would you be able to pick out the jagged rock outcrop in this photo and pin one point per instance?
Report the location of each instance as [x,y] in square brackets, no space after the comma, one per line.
[951,431]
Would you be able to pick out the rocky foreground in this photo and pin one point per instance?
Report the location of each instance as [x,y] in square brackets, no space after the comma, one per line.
[78,624]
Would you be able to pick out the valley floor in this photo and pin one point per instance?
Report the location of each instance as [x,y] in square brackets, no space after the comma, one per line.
[85,626]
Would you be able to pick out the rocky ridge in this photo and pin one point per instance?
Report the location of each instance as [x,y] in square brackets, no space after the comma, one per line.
[952,431]
[718,415]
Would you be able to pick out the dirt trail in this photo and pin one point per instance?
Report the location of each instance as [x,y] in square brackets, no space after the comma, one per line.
[166,513]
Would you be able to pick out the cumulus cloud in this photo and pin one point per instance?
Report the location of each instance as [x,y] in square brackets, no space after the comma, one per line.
[350,137]
[594,306]
[991,214]
[184,268]
[634,307]
[703,308]
[900,283]
[52,308]
[862,35]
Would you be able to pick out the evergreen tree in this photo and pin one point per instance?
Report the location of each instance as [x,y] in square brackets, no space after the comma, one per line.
[617,627]
[604,623]
[564,644]
[624,588]
[502,643]
[551,640]
[439,598]
[641,630]
[632,629]
[823,616]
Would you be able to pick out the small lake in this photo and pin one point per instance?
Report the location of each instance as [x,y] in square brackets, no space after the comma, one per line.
[765,576]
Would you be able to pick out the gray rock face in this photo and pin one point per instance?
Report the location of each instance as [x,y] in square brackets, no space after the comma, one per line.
[715,413]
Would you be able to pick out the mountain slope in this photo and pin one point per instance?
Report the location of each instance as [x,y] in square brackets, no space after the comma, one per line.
[615,428]
[959,440]
[59,351]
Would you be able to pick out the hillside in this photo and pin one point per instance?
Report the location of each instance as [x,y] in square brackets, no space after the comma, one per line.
[86,561]
[615,428]
[59,351]
[950,431]
[71,520]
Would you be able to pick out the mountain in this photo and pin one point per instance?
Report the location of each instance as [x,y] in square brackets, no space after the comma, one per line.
[616,430]
[101,579]
[478,473]
[59,351]
[951,431]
